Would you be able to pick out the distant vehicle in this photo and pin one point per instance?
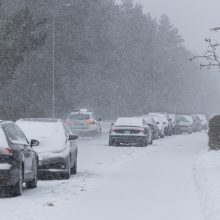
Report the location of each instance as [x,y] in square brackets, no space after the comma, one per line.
[84,122]
[197,125]
[18,160]
[159,123]
[129,131]
[184,124]
[166,122]
[172,119]
[57,151]
[203,120]
[153,125]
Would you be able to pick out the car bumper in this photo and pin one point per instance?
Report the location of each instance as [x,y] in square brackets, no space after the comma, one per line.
[84,130]
[185,129]
[126,139]
[53,165]
[9,177]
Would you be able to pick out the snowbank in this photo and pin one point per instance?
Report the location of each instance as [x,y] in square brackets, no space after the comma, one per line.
[207,174]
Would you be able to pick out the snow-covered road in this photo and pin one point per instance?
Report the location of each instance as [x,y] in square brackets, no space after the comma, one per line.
[155,183]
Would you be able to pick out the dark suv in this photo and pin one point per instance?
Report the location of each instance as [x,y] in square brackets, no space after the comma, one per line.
[18,162]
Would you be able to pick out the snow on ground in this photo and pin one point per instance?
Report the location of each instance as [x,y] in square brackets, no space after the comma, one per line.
[207,171]
[155,183]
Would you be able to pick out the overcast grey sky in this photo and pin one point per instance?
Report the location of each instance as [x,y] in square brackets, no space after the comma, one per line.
[193,18]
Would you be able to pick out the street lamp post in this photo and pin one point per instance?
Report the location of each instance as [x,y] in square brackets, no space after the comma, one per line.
[53,56]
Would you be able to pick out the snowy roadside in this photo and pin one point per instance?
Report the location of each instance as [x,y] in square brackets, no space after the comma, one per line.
[207,175]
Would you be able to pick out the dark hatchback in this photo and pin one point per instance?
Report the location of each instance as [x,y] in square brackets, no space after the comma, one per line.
[18,162]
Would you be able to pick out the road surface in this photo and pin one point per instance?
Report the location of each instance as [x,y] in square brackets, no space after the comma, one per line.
[155,183]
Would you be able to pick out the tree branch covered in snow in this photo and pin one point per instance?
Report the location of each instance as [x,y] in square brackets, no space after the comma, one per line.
[210,56]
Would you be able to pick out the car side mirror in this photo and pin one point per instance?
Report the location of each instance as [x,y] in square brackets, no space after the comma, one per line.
[157,122]
[34,143]
[73,137]
[112,124]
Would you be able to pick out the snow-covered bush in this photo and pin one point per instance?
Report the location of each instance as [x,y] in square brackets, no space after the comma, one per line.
[214,133]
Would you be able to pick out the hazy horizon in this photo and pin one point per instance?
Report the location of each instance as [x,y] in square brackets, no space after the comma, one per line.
[193,19]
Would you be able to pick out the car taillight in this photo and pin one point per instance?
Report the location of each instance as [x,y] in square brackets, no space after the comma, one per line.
[90,122]
[141,130]
[6,151]
[68,121]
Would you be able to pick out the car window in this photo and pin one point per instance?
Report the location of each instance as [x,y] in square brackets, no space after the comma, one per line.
[21,135]
[3,140]
[15,134]
[10,133]
[79,116]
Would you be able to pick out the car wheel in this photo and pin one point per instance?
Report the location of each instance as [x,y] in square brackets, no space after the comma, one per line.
[143,143]
[33,183]
[110,142]
[67,174]
[18,188]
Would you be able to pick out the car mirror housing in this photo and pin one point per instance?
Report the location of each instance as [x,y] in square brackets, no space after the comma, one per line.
[73,137]
[34,143]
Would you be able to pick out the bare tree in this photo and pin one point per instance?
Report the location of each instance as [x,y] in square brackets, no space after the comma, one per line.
[210,56]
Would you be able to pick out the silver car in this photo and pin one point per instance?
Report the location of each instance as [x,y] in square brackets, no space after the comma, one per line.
[57,151]
[84,122]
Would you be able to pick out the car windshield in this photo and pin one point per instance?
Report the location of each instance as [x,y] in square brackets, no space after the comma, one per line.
[183,119]
[79,116]
[131,122]
[41,129]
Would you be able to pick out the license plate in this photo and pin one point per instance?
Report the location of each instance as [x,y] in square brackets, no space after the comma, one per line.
[126,132]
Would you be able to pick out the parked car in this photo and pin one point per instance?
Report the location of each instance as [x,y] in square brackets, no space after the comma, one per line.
[159,123]
[57,150]
[166,121]
[18,160]
[153,125]
[197,125]
[184,124]
[203,120]
[84,122]
[129,131]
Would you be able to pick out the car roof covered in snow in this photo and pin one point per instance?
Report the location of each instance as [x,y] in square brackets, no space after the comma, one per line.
[129,121]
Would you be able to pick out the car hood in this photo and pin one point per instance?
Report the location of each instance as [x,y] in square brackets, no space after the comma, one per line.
[50,145]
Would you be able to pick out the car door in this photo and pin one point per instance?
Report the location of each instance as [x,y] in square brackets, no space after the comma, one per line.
[19,144]
[30,155]
[72,144]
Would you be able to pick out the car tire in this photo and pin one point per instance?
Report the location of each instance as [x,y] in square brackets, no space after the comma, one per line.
[110,142]
[74,168]
[67,174]
[33,183]
[18,188]
[143,143]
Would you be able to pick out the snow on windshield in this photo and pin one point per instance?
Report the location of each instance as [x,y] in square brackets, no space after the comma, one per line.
[41,129]
[125,121]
